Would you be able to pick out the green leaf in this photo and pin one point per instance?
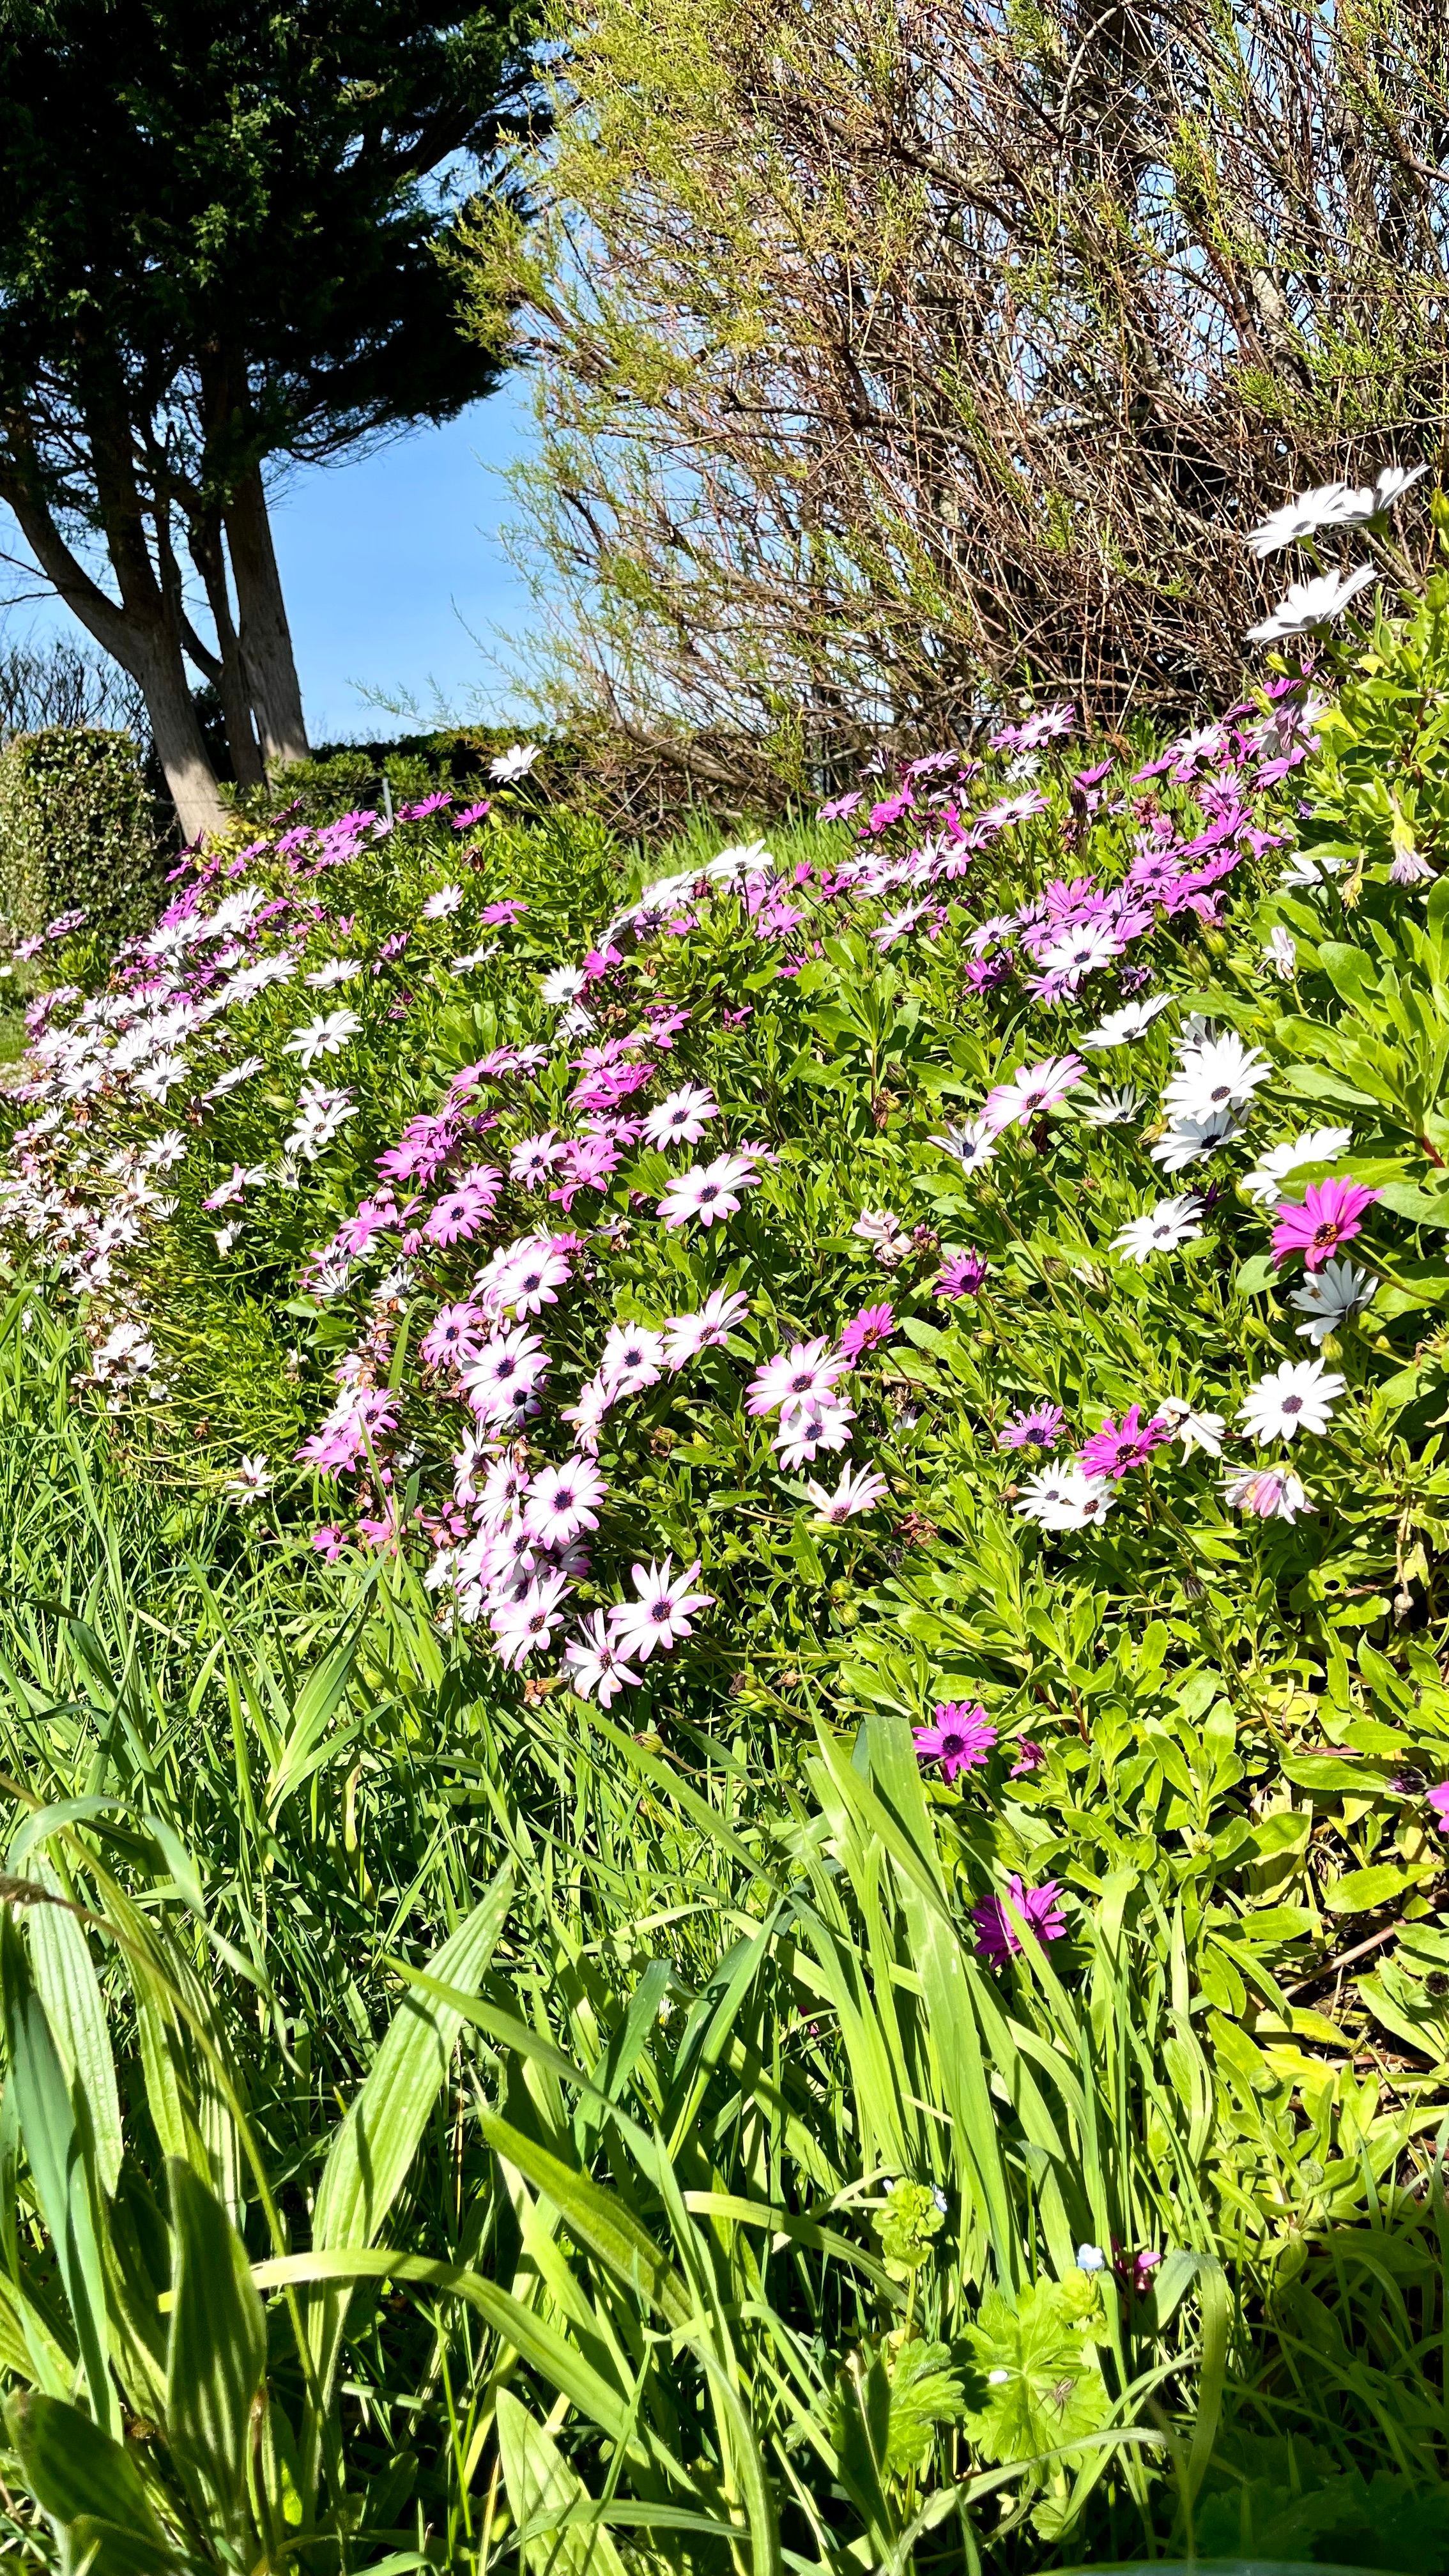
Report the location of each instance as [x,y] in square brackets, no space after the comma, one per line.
[1256,1275]
[925,2393]
[78,2475]
[217,2350]
[1422,1207]
[1053,2390]
[316,1702]
[368,2160]
[543,2491]
[596,2218]
[69,1988]
[56,2139]
[1361,1889]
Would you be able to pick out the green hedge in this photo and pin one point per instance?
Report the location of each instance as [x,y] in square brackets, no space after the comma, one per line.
[78,827]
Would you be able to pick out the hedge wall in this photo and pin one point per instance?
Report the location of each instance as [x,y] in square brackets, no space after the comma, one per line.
[78,827]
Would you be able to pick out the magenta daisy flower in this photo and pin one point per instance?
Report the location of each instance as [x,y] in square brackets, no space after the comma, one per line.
[997,1937]
[959,1737]
[1331,1215]
[865,1331]
[1118,1446]
[962,1275]
[1438,1800]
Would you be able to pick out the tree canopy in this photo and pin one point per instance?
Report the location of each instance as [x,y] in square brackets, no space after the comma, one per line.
[222,239]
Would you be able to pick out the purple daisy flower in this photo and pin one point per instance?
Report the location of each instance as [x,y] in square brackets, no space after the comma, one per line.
[959,1737]
[997,1938]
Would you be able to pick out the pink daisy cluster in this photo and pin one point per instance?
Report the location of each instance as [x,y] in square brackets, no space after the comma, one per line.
[800,1387]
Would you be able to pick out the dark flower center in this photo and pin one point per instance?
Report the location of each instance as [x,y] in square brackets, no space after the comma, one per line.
[952,1744]
[1326,1233]
[1292,1403]
[802,1382]
[659,1611]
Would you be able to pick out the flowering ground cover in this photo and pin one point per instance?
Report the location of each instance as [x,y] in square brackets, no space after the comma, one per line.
[826,1466]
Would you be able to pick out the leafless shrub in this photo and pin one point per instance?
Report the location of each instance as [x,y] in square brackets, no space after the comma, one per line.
[896,356]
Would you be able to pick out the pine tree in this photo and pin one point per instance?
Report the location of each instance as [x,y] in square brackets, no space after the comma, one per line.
[223,229]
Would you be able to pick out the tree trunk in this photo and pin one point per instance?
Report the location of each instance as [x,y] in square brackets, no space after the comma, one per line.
[266,641]
[228,671]
[180,746]
[139,633]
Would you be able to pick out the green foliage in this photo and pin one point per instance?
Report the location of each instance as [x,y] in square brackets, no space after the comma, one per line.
[911,2217]
[634,2130]
[78,831]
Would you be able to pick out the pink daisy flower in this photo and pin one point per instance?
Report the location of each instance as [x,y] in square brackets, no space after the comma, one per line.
[632,1358]
[806,1428]
[451,1338]
[807,1370]
[458,1215]
[521,1627]
[996,1935]
[561,1502]
[1331,1215]
[959,1737]
[1040,1427]
[661,1612]
[596,1666]
[1118,1446]
[1438,1800]
[1033,1087]
[534,1157]
[686,1335]
[859,1490]
[709,1191]
[962,1275]
[682,1118]
[866,1331]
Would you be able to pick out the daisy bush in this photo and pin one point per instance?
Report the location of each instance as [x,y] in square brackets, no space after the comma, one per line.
[976,1257]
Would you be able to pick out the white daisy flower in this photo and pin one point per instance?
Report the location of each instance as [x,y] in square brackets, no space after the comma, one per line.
[1112,1108]
[1215,1074]
[1164,1228]
[1306,604]
[1299,1396]
[971,1144]
[1188,1139]
[1062,1498]
[1329,1296]
[1264,1184]
[1191,1429]
[1120,1027]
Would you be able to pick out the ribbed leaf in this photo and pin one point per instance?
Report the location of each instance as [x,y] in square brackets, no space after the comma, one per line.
[218,2345]
[597,2219]
[59,2155]
[77,2475]
[368,2160]
[316,1701]
[542,2489]
[70,1990]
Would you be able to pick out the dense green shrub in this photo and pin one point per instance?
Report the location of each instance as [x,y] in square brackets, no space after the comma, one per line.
[78,831]
[1020,1078]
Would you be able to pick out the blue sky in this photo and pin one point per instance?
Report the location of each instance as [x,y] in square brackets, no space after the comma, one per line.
[387,564]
